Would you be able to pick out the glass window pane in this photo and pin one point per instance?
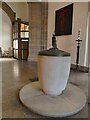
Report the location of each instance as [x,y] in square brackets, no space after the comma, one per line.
[26,34]
[24,39]
[26,27]
[16,53]
[22,34]
[22,26]
[16,44]
[15,35]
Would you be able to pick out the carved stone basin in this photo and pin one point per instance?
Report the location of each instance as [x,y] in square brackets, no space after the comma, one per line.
[53,70]
[53,74]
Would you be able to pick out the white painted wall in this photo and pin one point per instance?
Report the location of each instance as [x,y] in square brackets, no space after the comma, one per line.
[6,31]
[0,27]
[21,9]
[87,42]
[68,43]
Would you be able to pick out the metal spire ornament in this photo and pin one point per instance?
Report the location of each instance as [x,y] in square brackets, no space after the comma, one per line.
[78,47]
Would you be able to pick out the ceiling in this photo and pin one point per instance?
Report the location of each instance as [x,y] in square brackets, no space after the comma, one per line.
[22,0]
[46,0]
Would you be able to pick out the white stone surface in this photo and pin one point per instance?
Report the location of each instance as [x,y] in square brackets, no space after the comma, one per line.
[70,102]
[53,73]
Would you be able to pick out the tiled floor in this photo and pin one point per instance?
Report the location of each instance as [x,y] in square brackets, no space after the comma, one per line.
[16,74]
[0,89]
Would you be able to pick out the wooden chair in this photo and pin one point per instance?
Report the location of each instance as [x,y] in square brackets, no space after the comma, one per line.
[9,52]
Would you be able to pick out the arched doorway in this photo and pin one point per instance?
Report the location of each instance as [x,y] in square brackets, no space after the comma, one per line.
[7,17]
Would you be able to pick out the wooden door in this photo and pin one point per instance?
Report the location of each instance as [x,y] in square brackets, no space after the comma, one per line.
[24,50]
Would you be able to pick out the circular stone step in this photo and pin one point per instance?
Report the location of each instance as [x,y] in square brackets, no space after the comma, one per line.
[70,102]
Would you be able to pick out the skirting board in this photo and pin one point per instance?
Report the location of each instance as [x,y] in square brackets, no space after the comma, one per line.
[80,68]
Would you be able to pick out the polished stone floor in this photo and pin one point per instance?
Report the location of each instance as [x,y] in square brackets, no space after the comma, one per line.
[16,74]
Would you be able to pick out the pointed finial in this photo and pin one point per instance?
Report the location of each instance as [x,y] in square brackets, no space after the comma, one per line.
[54,44]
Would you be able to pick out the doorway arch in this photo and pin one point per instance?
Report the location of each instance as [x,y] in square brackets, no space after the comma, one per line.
[9,11]
[7,18]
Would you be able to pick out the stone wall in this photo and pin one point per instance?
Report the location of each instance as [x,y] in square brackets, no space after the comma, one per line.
[38,13]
